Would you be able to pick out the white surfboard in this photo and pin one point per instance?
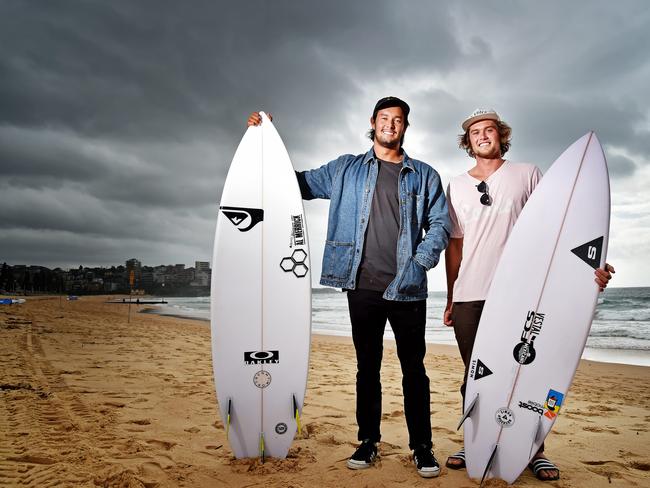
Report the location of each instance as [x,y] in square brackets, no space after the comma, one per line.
[261,298]
[537,314]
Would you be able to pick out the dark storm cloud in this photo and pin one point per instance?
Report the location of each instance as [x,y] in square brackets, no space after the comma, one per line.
[84,214]
[116,115]
[151,176]
[544,126]
[65,249]
[42,155]
[161,69]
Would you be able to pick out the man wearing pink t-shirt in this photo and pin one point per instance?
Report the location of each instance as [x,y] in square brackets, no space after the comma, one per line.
[484,204]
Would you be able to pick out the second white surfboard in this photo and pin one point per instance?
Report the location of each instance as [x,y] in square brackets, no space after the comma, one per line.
[537,314]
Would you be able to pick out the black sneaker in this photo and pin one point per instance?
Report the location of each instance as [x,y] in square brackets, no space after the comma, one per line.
[364,456]
[426,462]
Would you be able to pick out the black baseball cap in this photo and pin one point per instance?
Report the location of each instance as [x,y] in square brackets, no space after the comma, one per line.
[387,102]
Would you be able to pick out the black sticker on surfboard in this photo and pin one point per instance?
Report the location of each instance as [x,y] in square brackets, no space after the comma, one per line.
[297,231]
[524,352]
[262,357]
[532,406]
[295,263]
[243,218]
[479,370]
[590,252]
[505,417]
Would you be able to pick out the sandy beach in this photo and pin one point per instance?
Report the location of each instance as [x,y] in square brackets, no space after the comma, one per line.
[87,399]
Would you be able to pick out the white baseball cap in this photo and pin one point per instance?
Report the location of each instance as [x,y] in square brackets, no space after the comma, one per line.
[480,114]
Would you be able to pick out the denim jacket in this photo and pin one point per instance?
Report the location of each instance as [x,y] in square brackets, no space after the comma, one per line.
[349,183]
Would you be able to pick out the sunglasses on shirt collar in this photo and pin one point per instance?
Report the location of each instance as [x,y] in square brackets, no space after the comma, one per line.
[486,199]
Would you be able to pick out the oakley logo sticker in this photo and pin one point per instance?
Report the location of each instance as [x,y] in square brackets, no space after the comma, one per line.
[243,218]
[262,357]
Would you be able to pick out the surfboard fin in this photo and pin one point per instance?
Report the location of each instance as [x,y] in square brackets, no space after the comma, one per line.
[489,464]
[262,452]
[468,412]
[296,414]
[536,436]
[228,417]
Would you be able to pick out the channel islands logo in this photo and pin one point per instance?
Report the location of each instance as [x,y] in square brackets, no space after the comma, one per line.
[295,263]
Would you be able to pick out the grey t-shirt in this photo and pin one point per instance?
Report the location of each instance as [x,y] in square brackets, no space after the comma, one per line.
[379,260]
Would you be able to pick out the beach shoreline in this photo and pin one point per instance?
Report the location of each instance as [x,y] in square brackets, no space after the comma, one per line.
[88,399]
[606,355]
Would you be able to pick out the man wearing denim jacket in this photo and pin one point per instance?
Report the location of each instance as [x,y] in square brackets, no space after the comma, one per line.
[388,224]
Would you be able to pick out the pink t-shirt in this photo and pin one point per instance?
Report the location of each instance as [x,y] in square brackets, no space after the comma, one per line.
[485,229]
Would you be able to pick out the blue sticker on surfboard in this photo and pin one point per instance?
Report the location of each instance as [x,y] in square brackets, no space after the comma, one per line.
[553,404]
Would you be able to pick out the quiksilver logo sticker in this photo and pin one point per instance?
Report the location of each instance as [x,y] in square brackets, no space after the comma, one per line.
[524,352]
[590,252]
[243,218]
[262,357]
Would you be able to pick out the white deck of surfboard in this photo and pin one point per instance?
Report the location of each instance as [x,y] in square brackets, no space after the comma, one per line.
[261,297]
[541,283]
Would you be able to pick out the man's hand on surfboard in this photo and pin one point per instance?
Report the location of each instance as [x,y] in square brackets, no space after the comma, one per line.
[603,275]
[256,119]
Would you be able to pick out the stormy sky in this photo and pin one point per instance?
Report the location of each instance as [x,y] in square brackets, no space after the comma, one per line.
[118,119]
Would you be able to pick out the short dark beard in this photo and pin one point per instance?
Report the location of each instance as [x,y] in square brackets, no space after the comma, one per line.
[394,145]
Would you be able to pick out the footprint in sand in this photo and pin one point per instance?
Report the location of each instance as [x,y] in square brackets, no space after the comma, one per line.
[166,445]
[140,421]
[393,414]
[609,430]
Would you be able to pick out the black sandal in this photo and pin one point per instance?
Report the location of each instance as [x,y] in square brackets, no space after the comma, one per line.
[537,465]
[460,455]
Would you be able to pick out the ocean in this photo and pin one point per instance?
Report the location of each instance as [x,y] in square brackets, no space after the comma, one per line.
[620,331]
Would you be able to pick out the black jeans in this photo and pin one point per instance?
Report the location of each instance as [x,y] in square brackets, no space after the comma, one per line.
[368,315]
[466,316]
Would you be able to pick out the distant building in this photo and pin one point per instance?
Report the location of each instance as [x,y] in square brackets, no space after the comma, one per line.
[134,266]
